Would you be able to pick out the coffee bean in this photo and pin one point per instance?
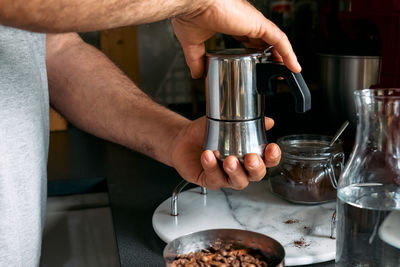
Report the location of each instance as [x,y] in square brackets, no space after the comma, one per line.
[220,256]
[224,253]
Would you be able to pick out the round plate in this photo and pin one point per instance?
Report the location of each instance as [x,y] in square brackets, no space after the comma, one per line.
[303,230]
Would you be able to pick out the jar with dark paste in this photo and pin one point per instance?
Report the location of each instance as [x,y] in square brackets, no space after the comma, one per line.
[309,169]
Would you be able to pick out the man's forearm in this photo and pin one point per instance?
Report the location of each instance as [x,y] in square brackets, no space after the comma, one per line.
[96,96]
[89,15]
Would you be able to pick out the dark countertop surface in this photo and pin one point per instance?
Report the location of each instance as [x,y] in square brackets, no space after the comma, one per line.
[80,163]
[135,192]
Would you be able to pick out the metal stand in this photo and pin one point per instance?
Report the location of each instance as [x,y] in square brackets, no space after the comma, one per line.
[175,194]
[203,191]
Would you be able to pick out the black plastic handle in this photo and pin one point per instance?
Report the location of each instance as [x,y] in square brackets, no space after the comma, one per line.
[269,71]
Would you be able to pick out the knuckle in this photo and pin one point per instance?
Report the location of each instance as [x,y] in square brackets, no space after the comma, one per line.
[276,34]
[259,30]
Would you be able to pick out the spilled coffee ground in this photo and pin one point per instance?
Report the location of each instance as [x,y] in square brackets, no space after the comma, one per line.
[291,221]
[301,243]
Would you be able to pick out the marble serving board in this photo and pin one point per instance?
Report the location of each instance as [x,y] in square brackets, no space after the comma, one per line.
[303,230]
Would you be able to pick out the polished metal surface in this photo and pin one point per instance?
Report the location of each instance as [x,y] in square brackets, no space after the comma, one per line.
[203,191]
[231,92]
[236,80]
[240,238]
[340,76]
[174,198]
[237,138]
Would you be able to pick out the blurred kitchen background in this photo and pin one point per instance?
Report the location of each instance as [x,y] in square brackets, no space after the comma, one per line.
[342,45]
[151,55]
[324,33]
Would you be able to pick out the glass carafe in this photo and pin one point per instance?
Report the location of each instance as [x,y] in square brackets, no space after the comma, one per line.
[368,202]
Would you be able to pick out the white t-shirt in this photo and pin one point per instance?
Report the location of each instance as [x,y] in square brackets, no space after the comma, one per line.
[24,139]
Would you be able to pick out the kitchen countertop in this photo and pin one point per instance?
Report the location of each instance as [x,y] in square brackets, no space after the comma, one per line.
[80,163]
[136,186]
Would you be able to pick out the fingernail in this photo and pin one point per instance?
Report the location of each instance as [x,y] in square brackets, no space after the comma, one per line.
[233,166]
[208,157]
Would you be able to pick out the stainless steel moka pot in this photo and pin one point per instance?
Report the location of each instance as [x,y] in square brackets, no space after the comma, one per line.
[236,80]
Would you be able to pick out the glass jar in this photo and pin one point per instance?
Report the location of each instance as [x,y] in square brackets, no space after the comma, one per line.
[308,169]
[368,205]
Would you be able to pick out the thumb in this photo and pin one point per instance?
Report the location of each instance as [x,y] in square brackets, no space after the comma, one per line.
[194,55]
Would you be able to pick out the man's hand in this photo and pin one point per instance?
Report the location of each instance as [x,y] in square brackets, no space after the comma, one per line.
[201,167]
[234,17]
